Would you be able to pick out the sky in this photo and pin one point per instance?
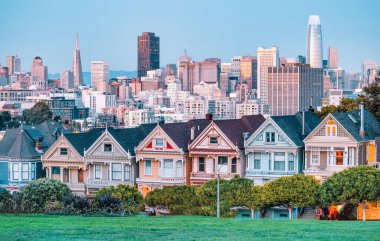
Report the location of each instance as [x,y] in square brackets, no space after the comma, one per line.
[108,29]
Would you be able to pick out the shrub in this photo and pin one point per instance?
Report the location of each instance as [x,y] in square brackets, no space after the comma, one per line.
[6,201]
[129,197]
[76,204]
[108,203]
[35,196]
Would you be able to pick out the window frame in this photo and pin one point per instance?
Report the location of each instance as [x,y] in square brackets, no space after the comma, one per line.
[234,165]
[127,170]
[282,162]
[25,171]
[315,153]
[203,164]
[289,161]
[17,171]
[270,137]
[145,168]
[113,171]
[213,138]
[33,171]
[255,161]
[179,168]
[106,149]
[155,142]
[95,171]
[61,153]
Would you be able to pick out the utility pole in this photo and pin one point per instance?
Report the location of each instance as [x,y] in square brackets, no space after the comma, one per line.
[218,196]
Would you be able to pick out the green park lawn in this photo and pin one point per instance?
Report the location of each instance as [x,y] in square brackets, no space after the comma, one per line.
[51,227]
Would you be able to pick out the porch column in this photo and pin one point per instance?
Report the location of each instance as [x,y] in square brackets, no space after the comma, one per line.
[109,171]
[160,163]
[61,173]
[122,172]
[175,167]
[272,160]
[286,162]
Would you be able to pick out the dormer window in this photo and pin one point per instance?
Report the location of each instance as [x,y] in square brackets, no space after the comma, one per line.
[63,151]
[159,142]
[331,128]
[213,140]
[107,147]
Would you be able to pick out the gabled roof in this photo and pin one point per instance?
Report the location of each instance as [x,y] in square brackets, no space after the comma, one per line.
[180,133]
[234,128]
[348,119]
[128,138]
[21,142]
[291,125]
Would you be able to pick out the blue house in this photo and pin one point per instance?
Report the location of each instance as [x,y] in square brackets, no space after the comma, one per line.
[21,150]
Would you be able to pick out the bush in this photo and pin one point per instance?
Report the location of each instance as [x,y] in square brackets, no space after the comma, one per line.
[36,195]
[6,201]
[127,196]
[76,204]
[108,203]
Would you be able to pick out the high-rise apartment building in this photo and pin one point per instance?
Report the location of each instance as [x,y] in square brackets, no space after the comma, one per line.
[67,80]
[10,60]
[17,65]
[77,65]
[333,60]
[4,76]
[39,73]
[369,69]
[265,58]
[314,51]
[148,53]
[293,88]
[235,66]
[99,72]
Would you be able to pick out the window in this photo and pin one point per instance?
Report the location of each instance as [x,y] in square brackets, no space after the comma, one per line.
[168,168]
[25,171]
[222,163]
[127,173]
[116,171]
[257,161]
[315,157]
[107,147]
[213,140]
[63,151]
[55,170]
[279,161]
[331,128]
[201,164]
[179,168]
[148,167]
[291,162]
[33,171]
[233,165]
[97,171]
[16,171]
[270,137]
[80,175]
[339,157]
[159,142]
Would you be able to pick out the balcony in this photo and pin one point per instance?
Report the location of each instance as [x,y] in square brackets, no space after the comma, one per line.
[270,173]
[99,183]
[173,179]
[201,175]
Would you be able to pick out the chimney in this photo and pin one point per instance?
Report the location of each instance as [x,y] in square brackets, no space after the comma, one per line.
[208,116]
[192,133]
[303,123]
[362,132]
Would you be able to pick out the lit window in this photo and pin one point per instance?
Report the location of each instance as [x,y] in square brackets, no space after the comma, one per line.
[63,151]
[331,128]
[107,147]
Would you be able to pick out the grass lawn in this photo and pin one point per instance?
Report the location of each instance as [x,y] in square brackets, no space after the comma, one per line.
[50,227]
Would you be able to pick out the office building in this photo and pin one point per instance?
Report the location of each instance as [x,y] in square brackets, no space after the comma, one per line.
[10,61]
[333,61]
[265,58]
[99,72]
[293,88]
[67,80]
[248,71]
[39,73]
[77,65]
[314,51]
[148,53]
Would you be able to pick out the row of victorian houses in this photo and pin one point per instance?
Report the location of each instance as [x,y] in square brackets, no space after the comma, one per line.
[152,156]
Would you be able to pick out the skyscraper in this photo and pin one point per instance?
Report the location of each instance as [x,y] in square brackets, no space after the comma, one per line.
[77,65]
[11,64]
[314,50]
[293,88]
[39,73]
[333,58]
[148,53]
[265,58]
[17,64]
[66,80]
[99,72]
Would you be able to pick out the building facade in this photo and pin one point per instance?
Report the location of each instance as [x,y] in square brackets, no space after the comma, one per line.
[99,73]
[314,50]
[77,65]
[265,58]
[148,53]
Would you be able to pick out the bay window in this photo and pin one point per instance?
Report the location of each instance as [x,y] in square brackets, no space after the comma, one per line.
[127,173]
[223,163]
[291,162]
[116,171]
[16,171]
[257,161]
[179,168]
[97,171]
[33,171]
[201,164]
[168,168]
[25,171]
[148,167]
[279,161]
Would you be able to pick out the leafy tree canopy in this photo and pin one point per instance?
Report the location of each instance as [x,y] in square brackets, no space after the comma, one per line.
[371,97]
[39,113]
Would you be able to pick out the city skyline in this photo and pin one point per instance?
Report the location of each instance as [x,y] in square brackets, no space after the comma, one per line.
[215,33]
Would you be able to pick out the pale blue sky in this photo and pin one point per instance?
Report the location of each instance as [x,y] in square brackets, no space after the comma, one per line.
[108,29]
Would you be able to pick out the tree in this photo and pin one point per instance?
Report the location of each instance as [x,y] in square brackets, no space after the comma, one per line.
[37,194]
[38,113]
[371,97]
[291,191]
[352,186]
[346,105]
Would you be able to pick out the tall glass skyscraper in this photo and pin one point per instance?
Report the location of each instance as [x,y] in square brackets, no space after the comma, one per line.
[314,50]
[77,65]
